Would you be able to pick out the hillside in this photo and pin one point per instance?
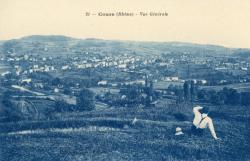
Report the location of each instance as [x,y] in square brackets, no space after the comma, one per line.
[56,44]
[110,135]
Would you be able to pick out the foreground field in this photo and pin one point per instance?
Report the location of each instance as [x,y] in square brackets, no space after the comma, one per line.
[110,135]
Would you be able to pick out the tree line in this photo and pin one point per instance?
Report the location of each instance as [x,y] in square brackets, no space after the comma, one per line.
[227,96]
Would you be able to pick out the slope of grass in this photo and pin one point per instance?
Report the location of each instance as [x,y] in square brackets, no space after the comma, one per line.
[110,135]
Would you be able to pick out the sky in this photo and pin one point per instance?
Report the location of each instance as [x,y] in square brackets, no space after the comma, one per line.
[219,22]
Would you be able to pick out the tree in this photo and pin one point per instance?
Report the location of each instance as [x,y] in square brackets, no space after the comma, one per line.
[193,90]
[133,94]
[67,91]
[214,97]
[203,95]
[186,88]
[245,98]
[62,106]
[85,100]
[11,112]
[56,81]
[233,97]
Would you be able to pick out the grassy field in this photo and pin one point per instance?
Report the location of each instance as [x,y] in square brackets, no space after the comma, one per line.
[165,84]
[101,90]
[110,135]
[241,87]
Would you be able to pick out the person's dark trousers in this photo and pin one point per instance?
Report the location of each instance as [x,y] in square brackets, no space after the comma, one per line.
[195,131]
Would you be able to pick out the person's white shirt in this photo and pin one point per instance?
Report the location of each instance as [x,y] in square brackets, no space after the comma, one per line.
[206,122]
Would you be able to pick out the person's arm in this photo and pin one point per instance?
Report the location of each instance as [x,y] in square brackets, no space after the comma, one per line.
[197,109]
[211,128]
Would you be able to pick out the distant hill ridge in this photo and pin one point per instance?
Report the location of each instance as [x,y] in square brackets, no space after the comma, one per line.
[46,38]
[58,43]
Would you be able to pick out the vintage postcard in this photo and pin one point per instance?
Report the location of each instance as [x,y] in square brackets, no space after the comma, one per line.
[124,80]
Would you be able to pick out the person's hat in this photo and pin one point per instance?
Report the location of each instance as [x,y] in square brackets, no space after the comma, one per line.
[178,131]
[204,110]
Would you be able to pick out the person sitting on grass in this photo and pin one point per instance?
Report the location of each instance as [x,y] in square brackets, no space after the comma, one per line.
[202,121]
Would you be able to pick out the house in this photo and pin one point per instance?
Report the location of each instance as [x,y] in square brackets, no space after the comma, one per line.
[163,64]
[39,85]
[31,71]
[141,82]
[103,82]
[5,73]
[200,82]
[27,80]
[203,81]
[122,66]
[174,79]
[242,68]
[81,66]
[65,67]
[56,90]
[46,68]
[88,65]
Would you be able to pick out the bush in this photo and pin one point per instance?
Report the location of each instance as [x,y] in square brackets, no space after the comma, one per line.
[61,106]
[9,109]
[85,100]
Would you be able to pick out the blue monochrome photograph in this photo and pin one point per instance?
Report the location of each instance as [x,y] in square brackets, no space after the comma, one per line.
[134,80]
